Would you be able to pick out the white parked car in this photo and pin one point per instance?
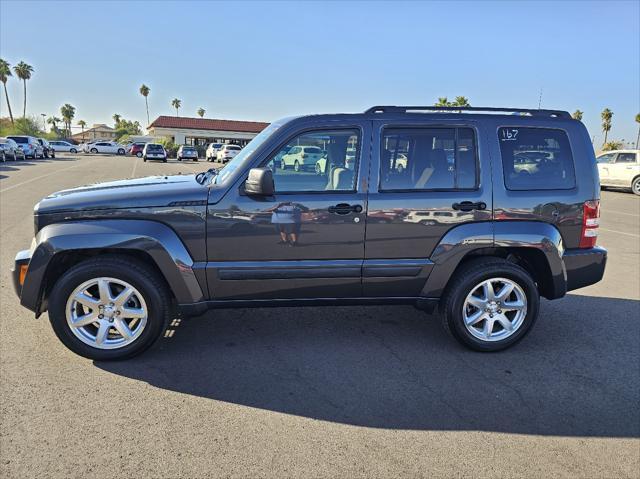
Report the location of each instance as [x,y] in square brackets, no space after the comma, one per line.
[59,145]
[154,151]
[620,168]
[106,147]
[227,152]
[301,157]
[212,151]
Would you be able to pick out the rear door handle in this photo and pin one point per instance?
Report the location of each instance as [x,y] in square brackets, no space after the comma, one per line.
[469,206]
[345,209]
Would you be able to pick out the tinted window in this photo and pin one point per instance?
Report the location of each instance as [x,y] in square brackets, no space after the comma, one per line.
[536,159]
[234,148]
[626,158]
[331,172]
[154,147]
[608,158]
[20,139]
[428,159]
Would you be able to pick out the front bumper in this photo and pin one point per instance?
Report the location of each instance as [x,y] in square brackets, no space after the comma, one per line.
[22,258]
[584,266]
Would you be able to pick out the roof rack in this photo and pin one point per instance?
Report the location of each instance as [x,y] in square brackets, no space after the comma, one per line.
[419,109]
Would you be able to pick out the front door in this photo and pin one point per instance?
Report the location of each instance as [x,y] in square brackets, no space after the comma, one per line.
[307,241]
[425,180]
[624,169]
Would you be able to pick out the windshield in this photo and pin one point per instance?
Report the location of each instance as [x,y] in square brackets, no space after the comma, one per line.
[245,154]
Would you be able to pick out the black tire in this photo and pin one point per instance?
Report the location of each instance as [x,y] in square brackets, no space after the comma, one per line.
[139,154]
[140,276]
[145,159]
[296,166]
[73,150]
[164,160]
[195,159]
[465,279]
[635,186]
[121,151]
[4,157]
[93,150]
[46,154]
[179,159]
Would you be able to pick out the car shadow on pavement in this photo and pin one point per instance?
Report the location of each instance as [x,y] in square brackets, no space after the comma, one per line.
[576,374]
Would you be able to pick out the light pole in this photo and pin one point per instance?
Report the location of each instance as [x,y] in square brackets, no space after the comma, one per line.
[44,124]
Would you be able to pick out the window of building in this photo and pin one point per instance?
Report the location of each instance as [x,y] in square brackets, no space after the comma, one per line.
[323,160]
[428,159]
[536,159]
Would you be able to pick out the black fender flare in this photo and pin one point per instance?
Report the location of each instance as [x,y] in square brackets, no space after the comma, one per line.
[464,239]
[157,240]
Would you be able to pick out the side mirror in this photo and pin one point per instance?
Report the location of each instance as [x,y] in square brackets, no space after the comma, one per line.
[260,182]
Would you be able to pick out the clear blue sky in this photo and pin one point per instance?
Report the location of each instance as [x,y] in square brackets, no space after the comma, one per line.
[264,60]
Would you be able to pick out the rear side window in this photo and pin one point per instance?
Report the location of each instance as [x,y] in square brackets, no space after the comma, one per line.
[20,139]
[626,158]
[428,159]
[536,159]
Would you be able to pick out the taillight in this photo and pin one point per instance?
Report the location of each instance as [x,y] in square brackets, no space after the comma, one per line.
[590,223]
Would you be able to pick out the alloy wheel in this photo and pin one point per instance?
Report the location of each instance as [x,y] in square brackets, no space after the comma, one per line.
[494,309]
[106,313]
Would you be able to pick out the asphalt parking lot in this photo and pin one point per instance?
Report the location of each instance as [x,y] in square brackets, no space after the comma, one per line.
[321,392]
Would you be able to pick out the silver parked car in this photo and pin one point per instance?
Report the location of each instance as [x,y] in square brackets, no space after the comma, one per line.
[186,152]
[9,150]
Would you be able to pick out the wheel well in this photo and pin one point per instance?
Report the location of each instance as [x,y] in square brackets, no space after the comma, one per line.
[531,259]
[65,260]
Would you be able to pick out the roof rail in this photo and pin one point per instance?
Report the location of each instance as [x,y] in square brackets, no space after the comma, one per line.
[433,108]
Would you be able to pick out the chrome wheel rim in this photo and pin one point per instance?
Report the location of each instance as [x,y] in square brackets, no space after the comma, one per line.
[106,313]
[494,309]
[636,187]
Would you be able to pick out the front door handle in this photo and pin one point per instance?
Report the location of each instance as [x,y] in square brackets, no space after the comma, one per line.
[469,206]
[345,209]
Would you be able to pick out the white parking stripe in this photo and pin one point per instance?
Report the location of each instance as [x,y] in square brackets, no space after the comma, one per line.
[619,232]
[35,178]
[619,213]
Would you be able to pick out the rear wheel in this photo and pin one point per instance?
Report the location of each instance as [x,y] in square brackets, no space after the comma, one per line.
[139,154]
[109,308]
[490,304]
[120,151]
[94,150]
[296,166]
[635,186]
[73,150]
[144,159]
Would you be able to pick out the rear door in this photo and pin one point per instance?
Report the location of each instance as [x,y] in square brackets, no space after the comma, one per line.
[624,169]
[425,179]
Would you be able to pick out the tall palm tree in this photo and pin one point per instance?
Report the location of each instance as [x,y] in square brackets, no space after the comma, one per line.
[606,116]
[5,73]
[23,72]
[201,112]
[176,104]
[577,115]
[53,121]
[443,101]
[82,124]
[638,137]
[144,91]
[461,101]
[116,119]
[67,112]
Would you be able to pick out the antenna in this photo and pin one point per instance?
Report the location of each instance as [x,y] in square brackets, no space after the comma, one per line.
[540,98]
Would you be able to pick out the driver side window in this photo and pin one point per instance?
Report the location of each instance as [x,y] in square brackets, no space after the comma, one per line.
[322,160]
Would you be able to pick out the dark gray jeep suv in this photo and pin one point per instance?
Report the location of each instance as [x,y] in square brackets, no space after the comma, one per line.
[473,213]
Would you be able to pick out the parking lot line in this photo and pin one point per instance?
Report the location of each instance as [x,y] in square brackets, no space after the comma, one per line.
[619,213]
[620,232]
[36,178]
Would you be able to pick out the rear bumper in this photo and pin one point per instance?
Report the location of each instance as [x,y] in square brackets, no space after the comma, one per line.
[584,266]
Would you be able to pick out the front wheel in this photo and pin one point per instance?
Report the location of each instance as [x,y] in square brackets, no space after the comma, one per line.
[120,151]
[73,150]
[635,186]
[109,308]
[139,154]
[490,304]
[296,166]
[94,150]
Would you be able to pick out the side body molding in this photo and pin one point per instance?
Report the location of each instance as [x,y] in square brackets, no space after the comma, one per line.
[466,238]
[156,239]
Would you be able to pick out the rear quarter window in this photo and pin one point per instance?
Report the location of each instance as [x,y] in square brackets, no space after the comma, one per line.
[536,158]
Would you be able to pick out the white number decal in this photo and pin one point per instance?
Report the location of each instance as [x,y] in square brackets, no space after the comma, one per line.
[509,134]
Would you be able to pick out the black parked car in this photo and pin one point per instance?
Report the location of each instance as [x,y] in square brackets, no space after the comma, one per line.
[48,150]
[466,228]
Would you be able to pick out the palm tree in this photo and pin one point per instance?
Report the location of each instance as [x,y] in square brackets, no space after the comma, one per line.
[606,116]
[201,112]
[5,73]
[116,119]
[638,137]
[23,72]
[82,124]
[577,115]
[53,121]
[67,112]
[144,91]
[443,101]
[176,104]
[461,101]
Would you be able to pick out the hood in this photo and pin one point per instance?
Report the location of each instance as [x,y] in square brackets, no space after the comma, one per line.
[153,191]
